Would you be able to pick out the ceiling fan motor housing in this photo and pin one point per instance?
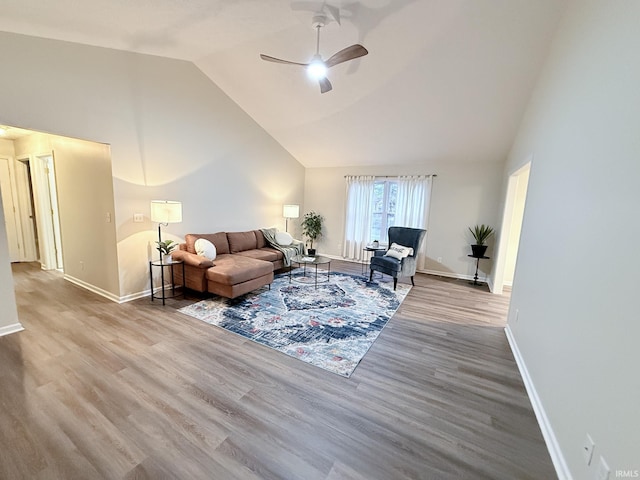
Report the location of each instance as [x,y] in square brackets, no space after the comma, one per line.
[319,20]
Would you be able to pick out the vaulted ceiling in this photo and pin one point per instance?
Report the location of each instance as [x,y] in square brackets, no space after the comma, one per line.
[444,79]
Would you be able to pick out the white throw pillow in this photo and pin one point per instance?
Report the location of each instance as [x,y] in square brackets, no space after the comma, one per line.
[284,238]
[205,248]
[398,251]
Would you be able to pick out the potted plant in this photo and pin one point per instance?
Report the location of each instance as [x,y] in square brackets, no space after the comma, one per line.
[480,234]
[165,247]
[312,229]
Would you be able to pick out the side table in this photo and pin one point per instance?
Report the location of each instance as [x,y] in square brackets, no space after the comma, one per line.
[475,278]
[163,287]
[368,253]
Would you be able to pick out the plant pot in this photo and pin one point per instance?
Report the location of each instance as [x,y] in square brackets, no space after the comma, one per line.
[166,258]
[312,252]
[478,251]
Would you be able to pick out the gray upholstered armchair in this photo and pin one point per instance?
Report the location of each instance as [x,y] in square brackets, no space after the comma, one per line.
[406,267]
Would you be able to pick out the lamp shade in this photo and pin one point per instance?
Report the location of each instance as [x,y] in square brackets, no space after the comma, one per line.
[291,211]
[166,211]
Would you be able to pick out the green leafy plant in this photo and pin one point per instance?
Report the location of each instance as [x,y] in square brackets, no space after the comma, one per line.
[312,226]
[165,247]
[481,233]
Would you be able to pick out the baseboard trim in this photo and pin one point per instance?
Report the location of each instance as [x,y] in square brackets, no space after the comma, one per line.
[550,439]
[459,276]
[92,288]
[428,272]
[135,296]
[9,329]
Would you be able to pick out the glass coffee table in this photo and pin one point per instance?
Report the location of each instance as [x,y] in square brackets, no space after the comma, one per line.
[304,261]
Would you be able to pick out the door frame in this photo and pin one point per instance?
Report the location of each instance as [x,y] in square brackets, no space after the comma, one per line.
[12,219]
[509,222]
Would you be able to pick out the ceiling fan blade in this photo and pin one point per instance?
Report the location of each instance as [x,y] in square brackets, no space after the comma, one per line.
[346,54]
[325,85]
[279,60]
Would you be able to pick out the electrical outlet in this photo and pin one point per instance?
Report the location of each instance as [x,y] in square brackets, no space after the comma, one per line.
[517,314]
[439,259]
[138,217]
[603,470]
[81,265]
[588,445]
[108,217]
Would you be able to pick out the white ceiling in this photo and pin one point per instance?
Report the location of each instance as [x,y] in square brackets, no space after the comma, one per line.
[444,79]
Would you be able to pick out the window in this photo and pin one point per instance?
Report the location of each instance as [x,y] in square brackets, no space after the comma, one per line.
[385,195]
[374,204]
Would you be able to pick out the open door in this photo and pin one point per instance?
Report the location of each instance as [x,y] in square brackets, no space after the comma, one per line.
[46,203]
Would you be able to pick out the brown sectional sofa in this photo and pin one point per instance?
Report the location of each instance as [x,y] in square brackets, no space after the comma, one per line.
[244,262]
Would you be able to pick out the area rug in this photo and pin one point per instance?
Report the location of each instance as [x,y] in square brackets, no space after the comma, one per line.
[331,326]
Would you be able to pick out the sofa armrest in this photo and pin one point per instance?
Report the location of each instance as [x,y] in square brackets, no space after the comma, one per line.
[191,259]
[299,244]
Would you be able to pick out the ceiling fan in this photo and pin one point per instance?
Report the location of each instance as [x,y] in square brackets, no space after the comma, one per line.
[317,67]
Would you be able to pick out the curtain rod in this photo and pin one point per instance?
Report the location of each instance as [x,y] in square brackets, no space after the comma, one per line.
[394,176]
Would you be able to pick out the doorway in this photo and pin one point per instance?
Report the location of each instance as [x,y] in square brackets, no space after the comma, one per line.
[36,214]
[45,200]
[512,218]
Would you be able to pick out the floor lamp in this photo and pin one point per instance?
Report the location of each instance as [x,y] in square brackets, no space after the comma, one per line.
[165,212]
[290,211]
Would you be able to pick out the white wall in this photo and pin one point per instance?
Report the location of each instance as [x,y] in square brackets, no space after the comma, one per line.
[576,284]
[173,135]
[8,313]
[462,195]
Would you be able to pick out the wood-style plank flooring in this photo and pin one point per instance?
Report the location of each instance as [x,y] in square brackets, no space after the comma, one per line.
[93,390]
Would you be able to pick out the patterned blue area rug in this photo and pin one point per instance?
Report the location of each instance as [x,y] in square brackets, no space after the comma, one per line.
[331,327]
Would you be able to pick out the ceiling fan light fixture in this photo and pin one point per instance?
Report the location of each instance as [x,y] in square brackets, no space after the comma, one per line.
[317,69]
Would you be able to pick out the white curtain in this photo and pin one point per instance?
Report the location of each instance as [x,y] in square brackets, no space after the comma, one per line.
[412,207]
[358,216]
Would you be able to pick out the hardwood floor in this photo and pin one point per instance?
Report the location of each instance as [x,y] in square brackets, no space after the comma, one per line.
[92,389]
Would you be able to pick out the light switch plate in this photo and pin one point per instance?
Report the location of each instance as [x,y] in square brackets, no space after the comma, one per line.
[587,449]
[138,217]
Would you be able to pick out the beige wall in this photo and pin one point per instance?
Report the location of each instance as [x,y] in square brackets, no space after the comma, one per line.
[575,288]
[85,201]
[173,135]
[6,148]
[462,196]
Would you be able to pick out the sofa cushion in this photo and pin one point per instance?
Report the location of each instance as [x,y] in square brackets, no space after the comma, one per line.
[234,269]
[266,254]
[260,241]
[218,239]
[205,248]
[240,241]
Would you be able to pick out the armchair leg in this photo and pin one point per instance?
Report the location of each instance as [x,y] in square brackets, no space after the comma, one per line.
[395,282]
[370,275]
[412,281]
